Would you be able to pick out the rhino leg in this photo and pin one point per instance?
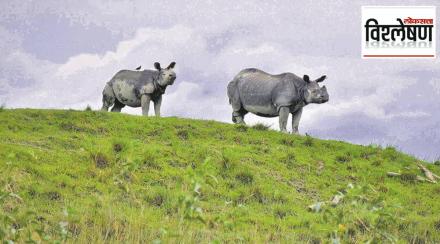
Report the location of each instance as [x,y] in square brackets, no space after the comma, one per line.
[238,111]
[283,116]
[118,106]
[145,103]
[238,117]
[295,121]
[157,104]
[108,97]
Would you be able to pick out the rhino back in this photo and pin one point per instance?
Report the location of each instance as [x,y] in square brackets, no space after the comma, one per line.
[255,86]
[137,78]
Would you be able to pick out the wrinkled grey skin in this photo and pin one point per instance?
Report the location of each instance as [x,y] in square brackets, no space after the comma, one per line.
[137,89]
[267,95]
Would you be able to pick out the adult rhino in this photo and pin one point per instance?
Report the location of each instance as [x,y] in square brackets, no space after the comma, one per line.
[138,88]
[267,95]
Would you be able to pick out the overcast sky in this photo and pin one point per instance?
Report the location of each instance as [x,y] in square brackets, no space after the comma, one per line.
[60,54]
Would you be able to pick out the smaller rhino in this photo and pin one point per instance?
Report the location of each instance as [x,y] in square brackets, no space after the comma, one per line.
[138,88]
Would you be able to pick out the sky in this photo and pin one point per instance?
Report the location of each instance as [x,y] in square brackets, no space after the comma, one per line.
[60,54]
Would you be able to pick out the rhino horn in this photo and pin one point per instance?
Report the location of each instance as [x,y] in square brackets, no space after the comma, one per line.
[171,66]
[321,79]
[157,66]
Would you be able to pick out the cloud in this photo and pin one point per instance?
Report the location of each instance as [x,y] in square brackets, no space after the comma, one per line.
[435,83]
[190,100]
[147,41]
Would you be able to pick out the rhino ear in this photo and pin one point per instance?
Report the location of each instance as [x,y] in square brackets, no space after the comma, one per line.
[321,79]
[157,66]
[171,66]
[306,78]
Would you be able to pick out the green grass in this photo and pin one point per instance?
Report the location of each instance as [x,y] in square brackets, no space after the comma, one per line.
[95,177]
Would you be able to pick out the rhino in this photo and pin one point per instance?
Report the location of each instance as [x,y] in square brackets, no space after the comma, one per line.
[253,90]
[138,88]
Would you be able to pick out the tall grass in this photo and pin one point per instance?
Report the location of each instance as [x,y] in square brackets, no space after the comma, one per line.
[80,177]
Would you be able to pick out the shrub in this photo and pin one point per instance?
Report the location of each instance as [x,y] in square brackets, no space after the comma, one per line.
[183,134]
[88,108]
[261,126]
[101,160]
[226,162]
[69,126]
[289,160]
[117,147]
[437,225]
[280,213]
[54,195]
[390,153]
[241,128]
[245,178]
[259,196]
[343,158]
[365,155]
[287,142]
[408,177]
[237,139]
[377,163]
[156,200]
[308,142]
[155,132]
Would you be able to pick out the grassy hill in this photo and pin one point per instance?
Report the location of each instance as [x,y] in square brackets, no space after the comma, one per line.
[71,176]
